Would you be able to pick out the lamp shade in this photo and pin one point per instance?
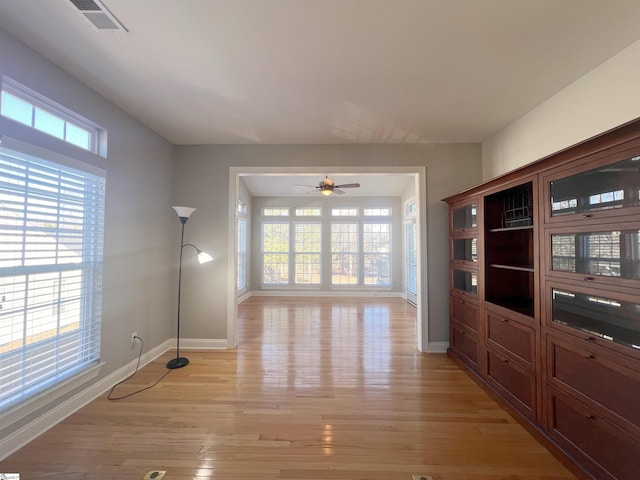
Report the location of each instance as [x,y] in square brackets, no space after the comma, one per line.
[204,257]
[184,212]
[326,191]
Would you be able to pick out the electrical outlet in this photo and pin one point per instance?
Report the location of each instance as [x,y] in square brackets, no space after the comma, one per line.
[134,338]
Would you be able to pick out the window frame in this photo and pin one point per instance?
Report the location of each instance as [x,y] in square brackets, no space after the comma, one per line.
[97,134]
[52,386]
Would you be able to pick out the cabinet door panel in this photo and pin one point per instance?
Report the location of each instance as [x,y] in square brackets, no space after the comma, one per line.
[515,383]
[516,338]
[464,217]
[464,343]
[465,312]
[613,452]
[610,319]
[603,188]
[598,377]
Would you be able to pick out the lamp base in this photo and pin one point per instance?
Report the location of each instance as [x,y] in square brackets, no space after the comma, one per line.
[178,362]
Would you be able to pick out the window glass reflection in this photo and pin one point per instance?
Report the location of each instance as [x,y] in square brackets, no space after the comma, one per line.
[466,281]
[465,217]
[607,318]
[614,254]
[609,186]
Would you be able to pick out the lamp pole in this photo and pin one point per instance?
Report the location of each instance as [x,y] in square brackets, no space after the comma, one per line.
[179,362]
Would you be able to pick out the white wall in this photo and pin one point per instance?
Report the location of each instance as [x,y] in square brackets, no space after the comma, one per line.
[141,241]
[602,99]
[204,183]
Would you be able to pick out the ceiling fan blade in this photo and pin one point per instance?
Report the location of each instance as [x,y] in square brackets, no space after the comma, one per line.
[338,191]
[310,186]
[348,185]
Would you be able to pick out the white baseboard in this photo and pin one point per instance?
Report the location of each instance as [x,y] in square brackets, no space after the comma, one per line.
[201,343]
[18,439]
[437,347]
[325,293]
[243,297]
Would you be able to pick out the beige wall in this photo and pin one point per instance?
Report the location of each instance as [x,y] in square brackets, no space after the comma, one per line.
[203,182]
[599,101]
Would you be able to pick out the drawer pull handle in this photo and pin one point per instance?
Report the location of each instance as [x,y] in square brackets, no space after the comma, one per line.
[587,215]
[590,356]
[591,417]
[460,302]
[589,279]
[591,339]
[505,320]
[504,360]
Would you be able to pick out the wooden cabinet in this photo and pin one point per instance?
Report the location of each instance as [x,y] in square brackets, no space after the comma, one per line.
[545,297]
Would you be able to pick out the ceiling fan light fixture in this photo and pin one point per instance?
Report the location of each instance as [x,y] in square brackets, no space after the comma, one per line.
[326,191]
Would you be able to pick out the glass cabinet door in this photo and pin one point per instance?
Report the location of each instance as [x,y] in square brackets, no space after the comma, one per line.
[610,186]
[465,249]
[600,315]
[606,253]
[465,217]
[465,281]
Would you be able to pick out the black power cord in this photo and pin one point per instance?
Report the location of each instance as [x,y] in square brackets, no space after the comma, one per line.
[109,397]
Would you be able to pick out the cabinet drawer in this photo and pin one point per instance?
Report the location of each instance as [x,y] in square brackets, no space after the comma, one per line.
[514,382]
[600,377]
[515,337]
[465,312]
[465,343]
[611,452]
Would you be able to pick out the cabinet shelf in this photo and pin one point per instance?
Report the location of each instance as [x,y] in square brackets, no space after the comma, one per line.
[519,268]
[523,305]
[511,229]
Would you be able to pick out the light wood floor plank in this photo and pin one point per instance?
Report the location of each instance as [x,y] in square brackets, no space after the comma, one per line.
[317,389]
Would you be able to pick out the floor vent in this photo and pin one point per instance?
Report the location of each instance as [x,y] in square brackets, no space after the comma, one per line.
[422,477]
[95,12]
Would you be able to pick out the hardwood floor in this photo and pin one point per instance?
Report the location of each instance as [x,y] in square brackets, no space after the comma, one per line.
[317,389]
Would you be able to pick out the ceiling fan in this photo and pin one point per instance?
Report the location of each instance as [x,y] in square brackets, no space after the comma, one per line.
[328,186]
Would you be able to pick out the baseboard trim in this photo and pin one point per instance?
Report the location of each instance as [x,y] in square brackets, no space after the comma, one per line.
[201,343]
[325,293]
[18,439]
[437,347]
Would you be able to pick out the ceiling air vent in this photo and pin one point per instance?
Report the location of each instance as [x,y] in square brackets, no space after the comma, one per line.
[95,12]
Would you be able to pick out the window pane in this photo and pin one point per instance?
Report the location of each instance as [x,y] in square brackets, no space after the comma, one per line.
[275,247]
[48,123]
[16,109]
[344,212]
[344,254]
[51,230]
[376,241]
[308,212]
[242,254]
[78,136]
[307,244]
[275,212]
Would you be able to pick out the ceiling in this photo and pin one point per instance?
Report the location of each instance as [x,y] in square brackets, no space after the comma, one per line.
[328,71]
[304,185]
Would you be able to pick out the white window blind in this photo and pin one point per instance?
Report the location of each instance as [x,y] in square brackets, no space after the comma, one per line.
[242,253]
[51,235]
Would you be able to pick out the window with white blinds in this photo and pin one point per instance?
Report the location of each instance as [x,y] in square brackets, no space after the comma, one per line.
[51,242]
[242,254]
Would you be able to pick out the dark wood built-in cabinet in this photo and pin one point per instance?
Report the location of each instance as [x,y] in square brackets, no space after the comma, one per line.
[545,297]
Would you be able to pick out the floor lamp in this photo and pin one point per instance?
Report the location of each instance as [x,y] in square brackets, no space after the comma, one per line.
[183,215]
